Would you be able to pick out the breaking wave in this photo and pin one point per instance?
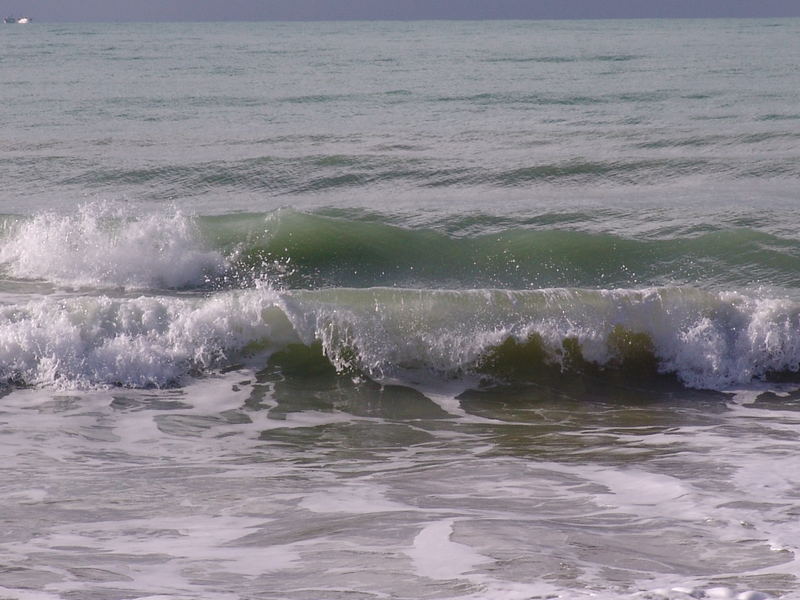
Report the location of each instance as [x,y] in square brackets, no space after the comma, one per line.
[706,340]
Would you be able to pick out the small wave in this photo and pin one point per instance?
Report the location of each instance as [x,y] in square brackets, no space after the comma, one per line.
[534,59]
[520,99]
[718,140]
[566,59]
[266,174]
[394,167]
[104,247]
[319,98]
[621,172]
[504,98]
[779,117]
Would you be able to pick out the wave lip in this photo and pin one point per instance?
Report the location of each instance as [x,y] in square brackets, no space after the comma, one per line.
[102,247]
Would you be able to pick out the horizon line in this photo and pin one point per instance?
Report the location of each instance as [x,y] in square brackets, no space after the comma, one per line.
[39,20]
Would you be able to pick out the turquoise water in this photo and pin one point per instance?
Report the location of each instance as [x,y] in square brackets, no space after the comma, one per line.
[407,310]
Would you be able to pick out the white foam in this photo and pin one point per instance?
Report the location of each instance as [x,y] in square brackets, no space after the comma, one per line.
[352,499]
[436,556]
[184,542]
[104,246]
[20,594]
[647,493]
[139,342]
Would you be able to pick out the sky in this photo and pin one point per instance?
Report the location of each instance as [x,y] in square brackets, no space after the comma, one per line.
[246,10]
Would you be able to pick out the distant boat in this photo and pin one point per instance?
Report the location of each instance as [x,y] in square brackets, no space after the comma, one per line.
[21,20]
[24,20]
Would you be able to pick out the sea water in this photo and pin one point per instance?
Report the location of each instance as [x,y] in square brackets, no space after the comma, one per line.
[474,310]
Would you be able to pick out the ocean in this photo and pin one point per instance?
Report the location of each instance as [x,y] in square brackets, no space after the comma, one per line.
[400,310]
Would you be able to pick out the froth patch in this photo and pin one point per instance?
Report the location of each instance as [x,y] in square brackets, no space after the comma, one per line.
[100,246]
